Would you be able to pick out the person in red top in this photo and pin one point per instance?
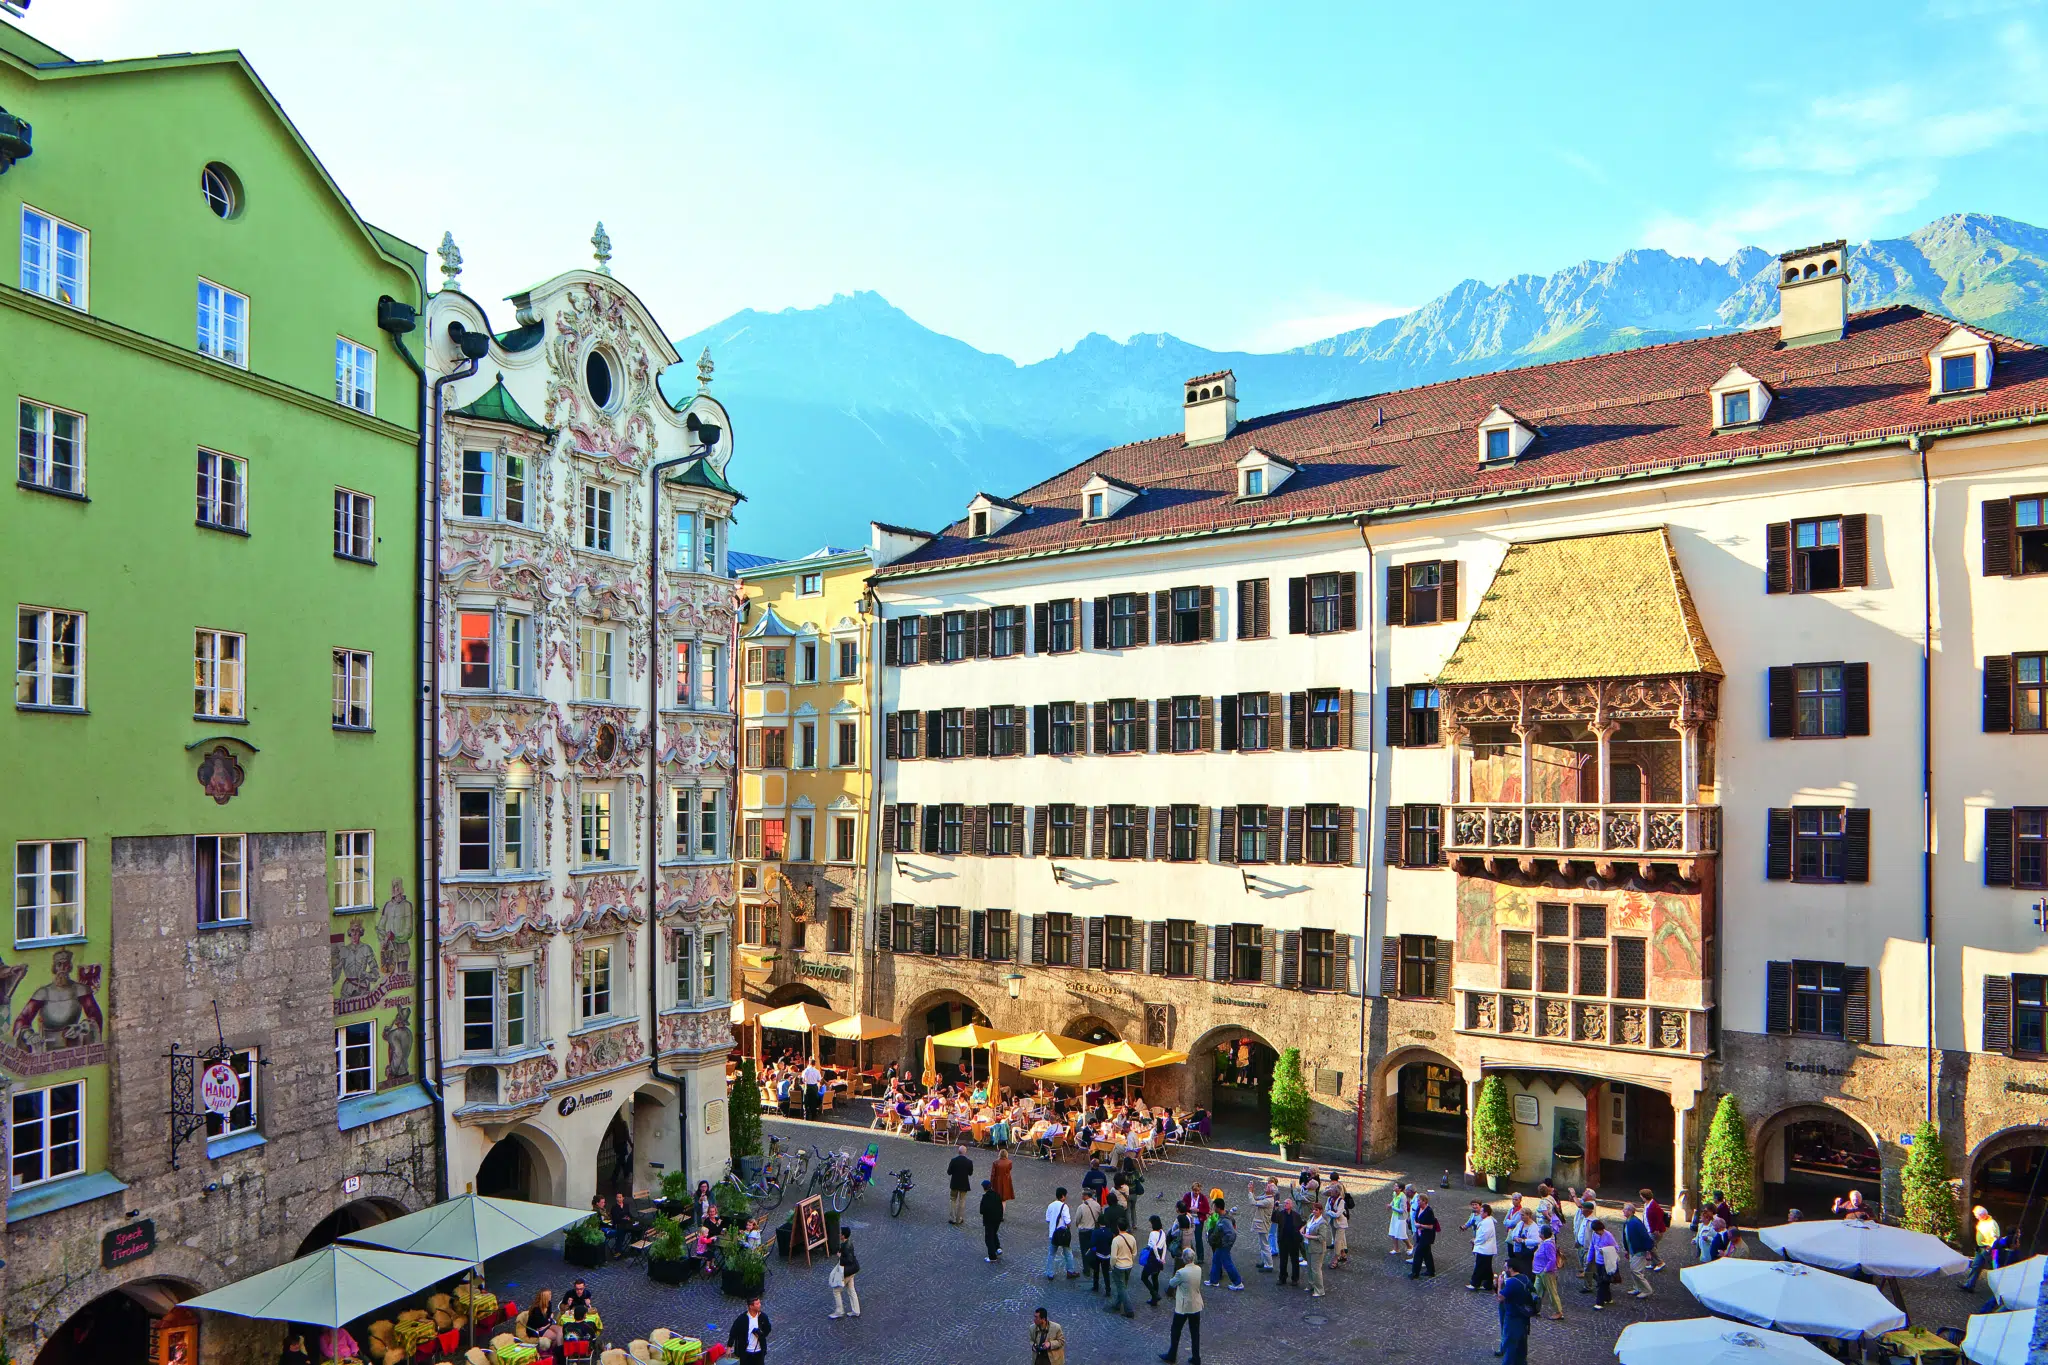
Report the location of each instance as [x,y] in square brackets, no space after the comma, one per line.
[1658,1218]
[1195,1201]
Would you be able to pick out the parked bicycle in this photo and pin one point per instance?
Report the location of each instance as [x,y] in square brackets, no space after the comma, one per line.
[900,1193]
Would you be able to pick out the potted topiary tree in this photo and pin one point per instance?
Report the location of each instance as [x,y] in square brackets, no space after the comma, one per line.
[744,1271]
[675,1194]
[743,1109]
[1929,1194]
[583,1244]
[733,1204]
[667,1251]
[1725,1164]
[1493,1152]
[1287,1106]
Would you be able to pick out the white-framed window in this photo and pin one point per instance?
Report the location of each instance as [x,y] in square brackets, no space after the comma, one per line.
[223,324]
[810,585]
[54,258]
[51,446]
[711,687]
[594,825]
[686,966]
[845,838]
[220,862]
[694,822]
[354,869]
[807,661]
[597,518]
[242,1118]
[217,674]
[493,650]
[595,659]
[686,542]
[807,744]
[223,491]
[355,375]
[49,658]
[497,1005]
[353,529]
[801,846]
[494,486]
[713,545]
[492,831]
[47,1133]
[712,970]
[354,1060]
[845,658]
[351,689]
[846,744]
[49,890]
[594,981]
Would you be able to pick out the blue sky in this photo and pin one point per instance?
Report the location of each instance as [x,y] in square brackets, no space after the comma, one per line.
[1019,175]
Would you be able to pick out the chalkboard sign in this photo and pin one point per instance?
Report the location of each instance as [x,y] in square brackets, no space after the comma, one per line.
[130,1243]
[810,1224]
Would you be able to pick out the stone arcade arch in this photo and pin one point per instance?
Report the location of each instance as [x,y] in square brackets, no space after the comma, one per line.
[1092,1029]
[1230,1073]
[353,1216]
[2008,1175]
[1807,1155]
[922,1019]
[1418,1104]
[525,1163]
[117,1324]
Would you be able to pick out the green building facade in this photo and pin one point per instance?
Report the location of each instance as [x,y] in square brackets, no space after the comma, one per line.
[208,781]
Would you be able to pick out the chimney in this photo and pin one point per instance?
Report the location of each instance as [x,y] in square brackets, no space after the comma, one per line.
[1211,407]
[1813,294]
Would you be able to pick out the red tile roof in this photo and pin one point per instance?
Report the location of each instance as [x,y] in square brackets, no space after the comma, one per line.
[1630,413]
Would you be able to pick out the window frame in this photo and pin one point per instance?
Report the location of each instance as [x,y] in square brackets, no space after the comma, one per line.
[1005,825]
[352,361]
[1126,730]
[594,983]
[224,325]
[36,468]
[1814,701]
[1828,846]
[1121,629]
[596,510]
[1968,358]
[211,916]
[246,1063]
[1183,946]
[1065,838]
[355,526]
[1415,974]
[1424,717]
[1009,630]
[352,865]
[1324,728]
[345,1048]
[999,928]
[1323,835]
[47,672]
[497,480]
[505,832]
[2030,848]
[1186,725]
[1317,970]
[589,635]
[1255,709]
[208,670]
[1823,997]
[1255,839]
[1247,960]
[1062,622]
[845,839]
[2029,1004]
[2034,691]
[1056,728]
[1728,416]
[43,904]
[599,835]
[1125,833]
[216,493]
[1121,951]
[52,266]
[810,584]
[1184,833]
[44,1121]
[1059,939]
[1424,604]
[1325,601]
[1806,557]
[353,690]
[1424,823]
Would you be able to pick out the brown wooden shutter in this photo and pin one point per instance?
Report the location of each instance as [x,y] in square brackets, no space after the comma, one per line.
[1397,594]
[1290,959]
[1098,831]
[1347,835]
[981,732]
[1275,719]
[977,830]
[1269,956]
[1162,832]
[1856,1004]
[1297,606]
[1997,847]
[1041,626]
[1297,720]
[1141,624]
[1226,847]
[1347,706]
[1162,725]
[1205,740]
[1447,590]
[1101,623]
[1038,940]
[1219,953]
[1347,601]
[1997,539]
[934,734]
[1856,550]
[1998,1014]
[1856,844]
[1778,846]
[1778,557]
[1777,997]
[1041,729]
[1227,723]
[1041,824]
[1205,627]
[1262,619]
[1340,954]
[1162,617]
[1397,823]
[1098,726]
[1390,965]
[1141,829]
[1856,699]
[984,633]
[889,829]
[1440,967]
[891,747]
[1397,717]
[1247,608]
[931,813]
[1782,697]
[927,929]
[1297,834]
[1155,947]
[1997,694]
[1095,935]
[892,636]
[1202,835]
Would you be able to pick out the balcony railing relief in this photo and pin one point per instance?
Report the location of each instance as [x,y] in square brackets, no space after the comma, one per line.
[1592,830]
[1634,1026]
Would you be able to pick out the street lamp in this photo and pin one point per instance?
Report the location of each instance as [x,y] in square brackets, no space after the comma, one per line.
[1015,981]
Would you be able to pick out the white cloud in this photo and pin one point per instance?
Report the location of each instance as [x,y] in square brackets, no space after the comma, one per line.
[1330,319]
[1779,213]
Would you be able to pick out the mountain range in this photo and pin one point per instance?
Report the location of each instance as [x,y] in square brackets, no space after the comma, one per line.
[852,411]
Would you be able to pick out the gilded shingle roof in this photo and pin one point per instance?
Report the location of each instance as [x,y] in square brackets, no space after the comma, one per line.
[1608,606]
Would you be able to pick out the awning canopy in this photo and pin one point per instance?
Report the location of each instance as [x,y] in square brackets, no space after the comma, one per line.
[802,1017]
[1046,1046]
[1083,1068]
[747,1011]
[861,1028]
[1141,1055]
[969,1035]
[335,1285]
[470,1227]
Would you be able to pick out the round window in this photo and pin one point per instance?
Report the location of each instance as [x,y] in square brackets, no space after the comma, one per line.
[597,377]
[222,188]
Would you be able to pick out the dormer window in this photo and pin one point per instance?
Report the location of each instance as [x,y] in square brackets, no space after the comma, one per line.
[1735,408]
[980,524]
[1498,447]
[1259,474]
[1958,372]
[1255,483]
[988,514]
[1502,438]
[1960,364]
[1095,507]
[1738,399]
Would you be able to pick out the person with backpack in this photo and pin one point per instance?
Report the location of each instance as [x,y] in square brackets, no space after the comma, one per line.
[1636,1246]
[1153,1259]
[1426,1225]
[1059,1234]
[1086,1216]
[1517,1309]
[1657,1219]
[1222,1236]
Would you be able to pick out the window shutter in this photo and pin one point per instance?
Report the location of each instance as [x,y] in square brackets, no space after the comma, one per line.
[1099,714]
[1440,968]
[1226,850]
[1155,947]
[1997,540]
[1856,699]
[1041,822]
[1777,997]
[889,829]
[1397,717]
[1397,819]
[1778,557]
[1290,959]
[1162,725]
[977,829]
[984,633]
[1229,725]
[1856,1004]
[931,828]
[1041,625]
[1390,966]
[1102,623]
[1347,705]
[1098,832]
[891,747]
[1273,719]
[1219,953]
[1269,956]
[754,743]
[1205,737]
[981,732]
[1041,729]
[934,732]
[1342,946]
[1397,594]
[1297,720]
[1247,608]
[892,635]
[1141,624]
[1997,1012]
[1778,846]
[1095,943]
[1447,590]
[1162,617]
[1347,601]
[1997,694]
[1202,834]
[927,929]
[977,934]
[1856,550]
[1297,606]
[1205,627]
[1856,844]
[1998,848]
[1347,835]
[1297,833]
[1162,832]
[1782,702]
[1038,940]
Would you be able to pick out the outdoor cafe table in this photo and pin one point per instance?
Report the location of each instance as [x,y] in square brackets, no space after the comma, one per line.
[1919,1344]
[681,1350]
[412,1333]
[516,1353]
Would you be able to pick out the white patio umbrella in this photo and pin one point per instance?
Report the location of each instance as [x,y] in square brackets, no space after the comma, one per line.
[335,1285]
[1792,1298]
[471,1228]
[2018,1286]
[1713,1341]
[1999,1338]
[1860,1244]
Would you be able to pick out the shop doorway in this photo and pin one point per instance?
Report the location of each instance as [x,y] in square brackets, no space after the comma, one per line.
[1430,1111]
[1241,1091]
[139,1321]
[1813,1156]
[2011,1181]
[1635,1144]
[509,1171]
[615,1160]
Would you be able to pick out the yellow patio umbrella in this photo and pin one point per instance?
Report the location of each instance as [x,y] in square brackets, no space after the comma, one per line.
[1045,1046]
[861,1028]
[1144,1056]
[745,1012]
[973,1036]
[931,1064]
[1084,1068]
[802,1017]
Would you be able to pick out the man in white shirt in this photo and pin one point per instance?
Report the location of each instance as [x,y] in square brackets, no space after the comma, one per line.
[1059,1234]
[813,1078]
[748,1338]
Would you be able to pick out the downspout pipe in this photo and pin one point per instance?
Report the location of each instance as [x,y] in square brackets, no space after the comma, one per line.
[1918,446]
[1372,692]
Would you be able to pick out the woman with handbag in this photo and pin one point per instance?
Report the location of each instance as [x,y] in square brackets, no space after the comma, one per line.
[1152,1260]
[845,1299]
[1603,1254]
[1397,1225]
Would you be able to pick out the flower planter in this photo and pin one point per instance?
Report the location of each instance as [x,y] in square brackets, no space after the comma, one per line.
[738,1284]
[668,1272]
[589,1255]
[782,1238]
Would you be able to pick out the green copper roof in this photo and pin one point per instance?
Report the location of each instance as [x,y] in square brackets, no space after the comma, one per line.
[701,473]
[498,405]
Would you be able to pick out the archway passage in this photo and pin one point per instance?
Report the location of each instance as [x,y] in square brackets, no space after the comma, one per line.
[510,1170]
[1430,1111]
[1811,1157]
[2010,1179]
[779,1044]
[350,1217]
[615,1160]
[1092,1031]
[1241,1088]
[139,1321]
[936,1014]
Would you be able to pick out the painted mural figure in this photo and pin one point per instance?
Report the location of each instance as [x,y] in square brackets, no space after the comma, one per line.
[398,1046]
[355,964]
[394,930]
[63,1013]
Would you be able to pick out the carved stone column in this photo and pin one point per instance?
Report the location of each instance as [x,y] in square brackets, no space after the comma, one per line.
[1604,730]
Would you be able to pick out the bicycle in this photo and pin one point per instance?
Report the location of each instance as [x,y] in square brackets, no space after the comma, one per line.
[902,1191]
[763,1189]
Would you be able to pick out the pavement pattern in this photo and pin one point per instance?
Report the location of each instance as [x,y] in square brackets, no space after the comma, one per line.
[929,1298]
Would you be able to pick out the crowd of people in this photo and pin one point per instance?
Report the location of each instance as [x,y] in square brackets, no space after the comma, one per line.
[1040,1122]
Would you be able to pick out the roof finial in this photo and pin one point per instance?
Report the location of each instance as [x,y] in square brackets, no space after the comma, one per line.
[601,246]
[451,262]
[704,368]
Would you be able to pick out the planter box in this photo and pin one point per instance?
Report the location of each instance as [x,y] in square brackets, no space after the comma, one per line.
[738,1286]
[668,1272]
[590,1257]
